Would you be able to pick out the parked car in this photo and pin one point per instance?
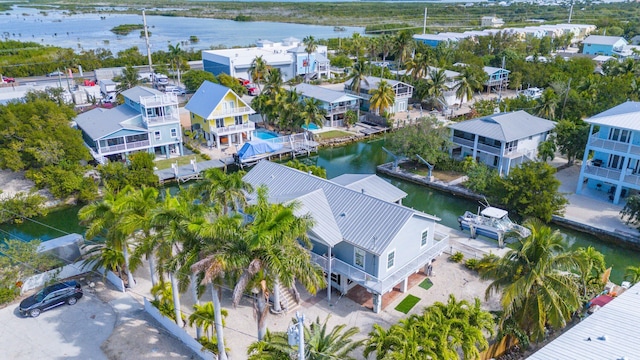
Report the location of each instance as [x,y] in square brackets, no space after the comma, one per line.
[252,89]
[51,296]
[175,90]
[55,73]
[8,79]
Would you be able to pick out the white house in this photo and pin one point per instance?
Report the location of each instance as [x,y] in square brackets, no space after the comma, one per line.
[491,21]
[501,141]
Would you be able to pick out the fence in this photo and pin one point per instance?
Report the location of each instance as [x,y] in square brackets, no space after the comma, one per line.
[67,271]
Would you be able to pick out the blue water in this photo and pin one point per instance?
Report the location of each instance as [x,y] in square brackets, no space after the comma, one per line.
[90,31]
[265,134]
[311,127]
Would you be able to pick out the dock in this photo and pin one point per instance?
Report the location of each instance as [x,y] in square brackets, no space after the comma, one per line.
[368,129]
[292,145]
[191,171]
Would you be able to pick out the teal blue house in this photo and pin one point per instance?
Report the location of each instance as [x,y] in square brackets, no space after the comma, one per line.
[611,162]
[148,121]
[603,45]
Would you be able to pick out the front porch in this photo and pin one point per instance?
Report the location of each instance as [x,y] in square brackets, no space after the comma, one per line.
[230,135]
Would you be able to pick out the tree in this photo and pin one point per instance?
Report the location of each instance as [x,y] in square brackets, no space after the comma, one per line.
[223,191]
[470,80]
[382,98]
[276,256]
[320,344]
[357,76]
[590,267]
[194,78]
[312,169]
[403,46]
[426,138]
[350,118]
[258,70]
[538,287]
[532,190]
[571,138]
[128,79]
[436,86]
[313,112]
[548,104]
[547,150]
[204,316]
[632,274]
[630,214]
[176,54]
[310,46]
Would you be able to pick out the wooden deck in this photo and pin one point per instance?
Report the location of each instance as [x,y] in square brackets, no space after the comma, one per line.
[191,171]
[292,145]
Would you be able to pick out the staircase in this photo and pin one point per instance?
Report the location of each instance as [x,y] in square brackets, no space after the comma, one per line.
[287,301]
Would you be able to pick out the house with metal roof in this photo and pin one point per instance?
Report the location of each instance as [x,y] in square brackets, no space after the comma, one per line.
[611,333]
[361,235]
[603,45]
[612,156]
[220,115]
[497,77]
[402,91]
[289,56]
[147,121]
[501,141]
[335,103]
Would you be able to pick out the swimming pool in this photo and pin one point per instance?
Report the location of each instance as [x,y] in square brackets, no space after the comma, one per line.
[265,134]
[311,127]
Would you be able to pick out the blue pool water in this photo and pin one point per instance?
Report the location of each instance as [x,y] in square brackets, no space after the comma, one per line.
[311,127]
[265,134]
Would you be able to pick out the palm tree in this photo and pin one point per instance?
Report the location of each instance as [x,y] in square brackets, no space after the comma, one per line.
[313,112]
[223,191]
[290,110]
[357,45]
[103,219]
[418,65]
[382,98]
[537,285]
[320,344]
[436,85]
[175,54]
[357,76]
[468,83]
[128,79]
[591,266]
[204,316]
[632,274]
[385,44]
[258,70]
[404,45]
[310,46]
[277,256]
[548,103]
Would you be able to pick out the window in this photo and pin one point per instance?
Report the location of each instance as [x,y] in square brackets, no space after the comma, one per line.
[391,259]
[174,133]
[425,238]
[238,120]
[358,258]
[616,161]
[219,123]
[157,135]
[619,135]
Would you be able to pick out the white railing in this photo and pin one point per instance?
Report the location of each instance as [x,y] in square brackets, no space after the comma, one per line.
[632,179]
[122,147]
[341,109]
[382,286]
[602,172]
[463,141]
[596,142]
[233,129]
[232,111]
[162,119]
[157,100]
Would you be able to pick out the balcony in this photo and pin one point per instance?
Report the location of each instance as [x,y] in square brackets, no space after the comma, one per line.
[602,172]
[234,111]
[158,100]
[481,147]
[382,286]
[234,129]
[163,119]
[124,147]
[341,109]
[463,141]
[603,144]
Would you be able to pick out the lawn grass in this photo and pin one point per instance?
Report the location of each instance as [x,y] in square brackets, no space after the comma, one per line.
[422,170]
[426,284]
[332,134]
[182,160]
[407,304]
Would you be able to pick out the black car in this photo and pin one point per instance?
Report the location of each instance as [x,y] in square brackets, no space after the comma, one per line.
[51,296]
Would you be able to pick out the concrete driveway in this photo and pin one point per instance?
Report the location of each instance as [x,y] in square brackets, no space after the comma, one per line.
[65,332]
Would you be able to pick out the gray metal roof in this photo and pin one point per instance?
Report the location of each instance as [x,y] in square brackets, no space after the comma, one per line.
[371,184]
[363,220]
[611,333]
[136,92]
[602,40]
[506,126]
[98,123]
[325,226]
[490,70]
[374,81]
[623,116]
[323,94]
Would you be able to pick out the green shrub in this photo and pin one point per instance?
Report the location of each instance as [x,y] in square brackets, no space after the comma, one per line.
[457,257]
[22,206]
[471,264]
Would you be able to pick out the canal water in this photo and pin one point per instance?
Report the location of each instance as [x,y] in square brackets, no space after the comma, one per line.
[362,158]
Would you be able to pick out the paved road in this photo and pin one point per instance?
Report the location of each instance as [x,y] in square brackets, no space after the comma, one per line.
[66,332]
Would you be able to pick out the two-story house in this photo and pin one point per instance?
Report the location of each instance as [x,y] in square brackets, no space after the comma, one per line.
[402,92]
[147,121]
[361,235]
[501,141]
[491,21]
[220,115]
[611,160]
[335,103]
[603,45]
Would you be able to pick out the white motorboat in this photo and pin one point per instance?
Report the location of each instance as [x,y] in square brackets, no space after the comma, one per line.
[491,222]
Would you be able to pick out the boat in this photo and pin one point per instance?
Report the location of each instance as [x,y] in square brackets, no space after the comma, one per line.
[339,28]
[491,222]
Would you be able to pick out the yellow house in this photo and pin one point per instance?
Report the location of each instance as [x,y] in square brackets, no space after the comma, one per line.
[220,115]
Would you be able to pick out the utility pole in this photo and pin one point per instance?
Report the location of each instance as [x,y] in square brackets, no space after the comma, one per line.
[424,24]
[146,38]
[295,335]
[571,11]
[565,98]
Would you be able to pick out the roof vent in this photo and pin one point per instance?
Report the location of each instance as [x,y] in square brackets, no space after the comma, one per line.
[343,214]
[603,338]
[362,190]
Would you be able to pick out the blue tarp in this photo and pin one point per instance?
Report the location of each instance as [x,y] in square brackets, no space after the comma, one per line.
[257,147]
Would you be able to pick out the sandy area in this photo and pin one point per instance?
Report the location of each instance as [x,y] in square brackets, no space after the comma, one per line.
[12,183]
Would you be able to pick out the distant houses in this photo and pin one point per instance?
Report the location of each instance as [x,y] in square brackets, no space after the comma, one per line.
[491,21]
[147,121]
[361,236]
[220,115]
[335,103]
[402,93]
[603,45]
[611,160]
[501,141]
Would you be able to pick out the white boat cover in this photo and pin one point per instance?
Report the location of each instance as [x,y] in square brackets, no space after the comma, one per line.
[494,212]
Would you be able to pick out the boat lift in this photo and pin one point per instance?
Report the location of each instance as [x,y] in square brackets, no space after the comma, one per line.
[428,166]
[395,157]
